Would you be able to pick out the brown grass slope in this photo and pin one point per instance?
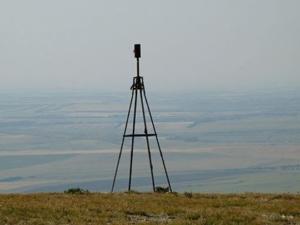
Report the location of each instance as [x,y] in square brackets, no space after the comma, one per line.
[146,208]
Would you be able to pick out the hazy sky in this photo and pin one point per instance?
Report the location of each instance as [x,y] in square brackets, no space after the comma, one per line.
[192,44]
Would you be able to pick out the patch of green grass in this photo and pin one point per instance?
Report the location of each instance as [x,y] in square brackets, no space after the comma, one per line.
[149,208]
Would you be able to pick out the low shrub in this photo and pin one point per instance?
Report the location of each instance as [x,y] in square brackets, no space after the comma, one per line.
[76,191]
[162,189]
[188,194]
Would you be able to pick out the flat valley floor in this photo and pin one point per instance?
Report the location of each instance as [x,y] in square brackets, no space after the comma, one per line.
[223,142]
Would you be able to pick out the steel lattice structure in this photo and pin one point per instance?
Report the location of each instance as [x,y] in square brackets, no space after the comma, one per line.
[138,91]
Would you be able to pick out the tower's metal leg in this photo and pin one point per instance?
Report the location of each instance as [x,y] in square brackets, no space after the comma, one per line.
[147,140]
[121,149]
[132,140]
[159,148]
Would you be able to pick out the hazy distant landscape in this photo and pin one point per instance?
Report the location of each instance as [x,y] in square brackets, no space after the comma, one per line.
[213,141]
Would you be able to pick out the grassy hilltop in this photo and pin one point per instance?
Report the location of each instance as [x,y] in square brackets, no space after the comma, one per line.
[146,208]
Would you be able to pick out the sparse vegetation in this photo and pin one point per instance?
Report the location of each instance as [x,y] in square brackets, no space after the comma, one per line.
[146,208]
[188,194]
[76,191]
[162,189]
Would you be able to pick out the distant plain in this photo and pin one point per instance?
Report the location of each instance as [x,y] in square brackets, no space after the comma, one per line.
[212,141]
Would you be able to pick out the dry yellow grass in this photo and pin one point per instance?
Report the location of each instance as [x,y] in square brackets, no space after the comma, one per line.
[146,208]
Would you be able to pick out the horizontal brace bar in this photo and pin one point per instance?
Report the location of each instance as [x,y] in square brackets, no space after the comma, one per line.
[139,135]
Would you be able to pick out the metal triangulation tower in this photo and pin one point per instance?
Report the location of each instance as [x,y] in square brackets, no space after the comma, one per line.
[138,91]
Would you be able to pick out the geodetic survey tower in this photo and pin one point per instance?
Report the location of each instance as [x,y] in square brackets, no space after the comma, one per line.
[138,91]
